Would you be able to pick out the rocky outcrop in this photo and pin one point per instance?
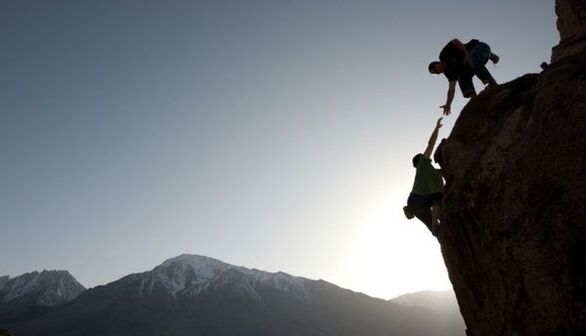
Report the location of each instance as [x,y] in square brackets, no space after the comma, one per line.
[572,27]
[513,233]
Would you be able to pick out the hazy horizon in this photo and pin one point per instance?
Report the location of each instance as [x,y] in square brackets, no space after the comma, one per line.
[267,134]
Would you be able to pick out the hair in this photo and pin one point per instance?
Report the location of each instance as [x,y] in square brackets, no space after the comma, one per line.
[416,159]
[432,65]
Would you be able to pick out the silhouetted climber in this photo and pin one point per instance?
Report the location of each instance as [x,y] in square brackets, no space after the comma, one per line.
[459,63]
[428,187]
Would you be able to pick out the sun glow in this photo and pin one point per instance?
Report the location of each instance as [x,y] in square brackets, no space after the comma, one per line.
[389,255]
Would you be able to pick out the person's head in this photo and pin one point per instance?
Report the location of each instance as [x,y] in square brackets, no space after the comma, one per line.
[436,67]
[416,159]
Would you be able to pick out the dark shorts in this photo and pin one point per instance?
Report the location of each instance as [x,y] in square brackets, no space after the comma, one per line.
[419,202]
[420,206]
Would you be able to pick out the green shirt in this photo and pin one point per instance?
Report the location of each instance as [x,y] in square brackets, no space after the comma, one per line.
[428,180]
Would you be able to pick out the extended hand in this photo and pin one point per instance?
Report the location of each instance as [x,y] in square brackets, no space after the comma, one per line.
[439,123]
[446,109]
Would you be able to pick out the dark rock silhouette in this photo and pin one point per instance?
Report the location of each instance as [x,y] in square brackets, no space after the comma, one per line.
[571,24]
[513,234]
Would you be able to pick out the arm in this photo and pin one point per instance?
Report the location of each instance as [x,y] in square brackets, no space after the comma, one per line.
[450,98]
[432,139]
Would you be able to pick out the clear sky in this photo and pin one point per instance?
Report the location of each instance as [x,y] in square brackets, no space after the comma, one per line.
[272,134]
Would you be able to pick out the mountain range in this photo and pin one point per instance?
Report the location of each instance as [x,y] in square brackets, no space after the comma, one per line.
[197,295]
[34,293]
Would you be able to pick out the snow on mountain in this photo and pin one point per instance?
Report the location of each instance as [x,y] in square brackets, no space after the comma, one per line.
[196,295]
[237,281]
[42,288]
[189,275]
[283,282]
[191,271]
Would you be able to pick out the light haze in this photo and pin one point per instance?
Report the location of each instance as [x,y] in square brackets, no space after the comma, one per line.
[269,134]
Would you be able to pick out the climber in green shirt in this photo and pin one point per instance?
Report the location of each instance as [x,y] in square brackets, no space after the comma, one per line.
[428,187]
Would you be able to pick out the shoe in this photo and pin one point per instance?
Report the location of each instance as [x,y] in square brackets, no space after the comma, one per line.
[494,58]
[469,94]
[408,213]
[490,83]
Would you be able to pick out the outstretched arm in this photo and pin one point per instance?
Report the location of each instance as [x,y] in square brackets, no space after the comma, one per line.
[432,139]
[450,98]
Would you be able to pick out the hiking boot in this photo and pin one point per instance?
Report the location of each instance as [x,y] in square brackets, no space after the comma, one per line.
[408,213]
[494,58]
[469,93]
[490,83]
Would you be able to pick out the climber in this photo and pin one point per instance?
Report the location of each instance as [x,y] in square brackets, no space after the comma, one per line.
[459,63]
[428,187]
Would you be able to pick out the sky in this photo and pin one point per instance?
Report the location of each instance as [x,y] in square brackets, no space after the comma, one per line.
[269,134]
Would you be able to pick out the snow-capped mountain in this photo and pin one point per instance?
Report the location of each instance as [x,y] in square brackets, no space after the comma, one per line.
[196,295]
[48,288]
[189,275]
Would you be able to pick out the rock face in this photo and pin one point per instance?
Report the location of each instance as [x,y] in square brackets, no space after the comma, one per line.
[513,234]
[572,27]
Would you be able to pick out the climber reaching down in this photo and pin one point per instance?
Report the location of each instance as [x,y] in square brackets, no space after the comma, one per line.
[428,187]
[459,63]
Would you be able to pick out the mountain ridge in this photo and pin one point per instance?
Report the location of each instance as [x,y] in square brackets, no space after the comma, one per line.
[48,287]
[196,295]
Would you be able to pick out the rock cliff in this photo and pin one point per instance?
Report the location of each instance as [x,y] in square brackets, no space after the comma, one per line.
[572,27]
[513,232]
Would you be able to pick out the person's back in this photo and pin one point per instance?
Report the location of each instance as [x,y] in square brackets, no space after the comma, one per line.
[428,180]
[455,59]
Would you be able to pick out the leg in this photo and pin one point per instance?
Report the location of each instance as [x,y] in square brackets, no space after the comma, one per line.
[424,215]
[436,215]
[466,85]
[477,60]
[421,205]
